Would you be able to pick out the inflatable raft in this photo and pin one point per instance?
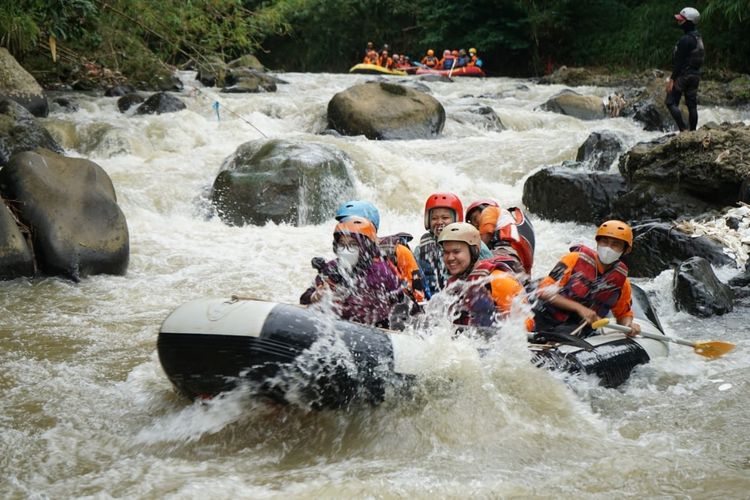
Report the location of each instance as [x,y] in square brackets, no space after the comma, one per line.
[374,69]
[291,354]
[462,71]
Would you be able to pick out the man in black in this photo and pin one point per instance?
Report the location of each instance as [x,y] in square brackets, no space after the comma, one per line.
[687,60]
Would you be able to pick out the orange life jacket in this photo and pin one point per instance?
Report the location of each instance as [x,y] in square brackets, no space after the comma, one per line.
[514,229]
[586,286]
[477,306]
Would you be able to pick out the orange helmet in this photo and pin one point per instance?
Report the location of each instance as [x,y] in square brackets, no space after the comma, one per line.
[355,225]
[443,200]
[488,220]
[430,52]
[618,230]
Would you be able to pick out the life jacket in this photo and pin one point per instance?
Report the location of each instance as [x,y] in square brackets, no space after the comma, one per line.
[413,283]
[477,306]
[587,287]
[698,54]
[430,260]
[514,229]
[385,62]
[430,61]
[447,62]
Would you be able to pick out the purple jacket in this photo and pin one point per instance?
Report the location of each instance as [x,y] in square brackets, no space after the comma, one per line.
[365,296]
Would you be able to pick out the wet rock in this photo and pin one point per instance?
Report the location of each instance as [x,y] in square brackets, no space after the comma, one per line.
[160,103]
[17,84]
[435,78]
[600,150]
[126,102]
[212,71]
[70,208]
[282,181]
[735,92]
[698,291]
[16,259]
[20,131]
[119,91]
[387,111]
[709,164]
[569,103]
[63,105]
[243,80]
[408,82]
[483,117]
[657,246]
[572,193]
[644,201]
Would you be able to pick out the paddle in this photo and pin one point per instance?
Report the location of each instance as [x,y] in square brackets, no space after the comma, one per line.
[708,348]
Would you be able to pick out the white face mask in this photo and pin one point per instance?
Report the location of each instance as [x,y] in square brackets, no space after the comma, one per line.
[348,256]
[607,255]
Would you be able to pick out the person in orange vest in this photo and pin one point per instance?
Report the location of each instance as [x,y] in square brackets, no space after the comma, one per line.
[369,48]
[485,289]
[385,61]
[430,60]
[509,232]
[473,59]
[587,284]
[371,58]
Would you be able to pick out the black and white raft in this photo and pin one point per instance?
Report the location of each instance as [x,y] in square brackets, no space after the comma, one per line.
[292,354]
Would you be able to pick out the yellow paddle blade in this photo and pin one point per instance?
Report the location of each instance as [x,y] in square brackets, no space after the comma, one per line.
[712,349]
[600,323]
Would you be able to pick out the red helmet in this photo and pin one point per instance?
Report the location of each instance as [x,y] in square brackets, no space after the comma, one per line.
[443,200]
[481,205]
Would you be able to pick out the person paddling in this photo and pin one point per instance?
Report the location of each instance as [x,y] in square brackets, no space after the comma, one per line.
[586,284]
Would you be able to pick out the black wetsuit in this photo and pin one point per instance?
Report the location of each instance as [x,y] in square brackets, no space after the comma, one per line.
[687,60]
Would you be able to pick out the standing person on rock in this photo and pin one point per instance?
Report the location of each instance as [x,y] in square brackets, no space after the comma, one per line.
[687,60]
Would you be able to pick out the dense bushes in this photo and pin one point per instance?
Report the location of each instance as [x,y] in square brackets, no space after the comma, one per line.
[515,37]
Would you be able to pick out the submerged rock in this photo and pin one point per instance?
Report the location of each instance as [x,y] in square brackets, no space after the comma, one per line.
[244,80]
[483,117]
[380,110]
[70,208]
[698,291]
[282,181]
[160,103]
[600,150]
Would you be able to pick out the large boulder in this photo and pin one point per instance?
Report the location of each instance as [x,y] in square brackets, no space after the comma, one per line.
[572,193]
[600,150]
[648,202]
[20,131]
[709,164]
[160,103]
[698,291]
[658,246]
[70,208]
[247,61]
[380,110]
[16,83]
[212,71]
[583,107]
[483,117]
[282,181]
[243,80]
[16,258]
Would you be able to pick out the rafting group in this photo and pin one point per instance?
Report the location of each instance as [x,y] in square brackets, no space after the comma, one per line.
[453,62]
[480,261]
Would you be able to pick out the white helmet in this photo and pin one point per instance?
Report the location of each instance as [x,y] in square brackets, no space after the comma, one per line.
[689,14]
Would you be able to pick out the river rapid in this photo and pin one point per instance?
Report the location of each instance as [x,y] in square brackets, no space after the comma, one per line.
[86,410]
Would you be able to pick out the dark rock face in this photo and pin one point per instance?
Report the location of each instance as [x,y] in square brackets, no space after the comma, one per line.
[126,102]
[600,150]
[20,131]
[583,107]
[160,103]
[282,181]
[380,110]
[64,105]
[645,201]
[70,208]
[657,246]
[570,193]
[698,291]
[710,164]
[16,259]
[17,84]
[119,91]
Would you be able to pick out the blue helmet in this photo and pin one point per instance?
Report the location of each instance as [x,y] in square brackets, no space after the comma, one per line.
[360,209]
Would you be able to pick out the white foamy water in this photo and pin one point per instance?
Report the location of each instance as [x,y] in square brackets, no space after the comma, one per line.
[87,411]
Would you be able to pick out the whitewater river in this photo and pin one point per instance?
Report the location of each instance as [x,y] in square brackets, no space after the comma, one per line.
[86,410]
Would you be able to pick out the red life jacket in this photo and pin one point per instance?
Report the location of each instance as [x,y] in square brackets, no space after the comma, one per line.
[477,307]
[514,229]
[587,287]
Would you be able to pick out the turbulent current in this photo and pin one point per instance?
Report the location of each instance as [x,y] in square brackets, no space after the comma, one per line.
[86,410]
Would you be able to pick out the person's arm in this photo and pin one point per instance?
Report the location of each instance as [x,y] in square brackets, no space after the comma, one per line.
[559,277]
[623,312]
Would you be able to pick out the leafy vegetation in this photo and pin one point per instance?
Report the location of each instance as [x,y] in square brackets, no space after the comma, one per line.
[514,37]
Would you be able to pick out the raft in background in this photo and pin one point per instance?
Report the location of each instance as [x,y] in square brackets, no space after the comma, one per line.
[374,69]
[291,354]
[462,71]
